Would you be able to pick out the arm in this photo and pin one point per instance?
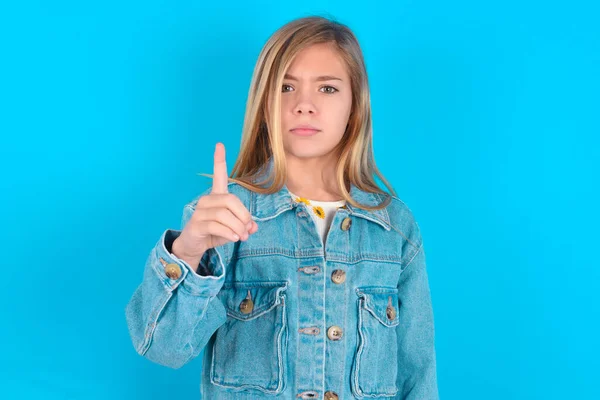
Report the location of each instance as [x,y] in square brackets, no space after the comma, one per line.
[171,318]
[416,349]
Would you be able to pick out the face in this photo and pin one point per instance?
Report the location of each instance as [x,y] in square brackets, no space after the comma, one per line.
[316,92]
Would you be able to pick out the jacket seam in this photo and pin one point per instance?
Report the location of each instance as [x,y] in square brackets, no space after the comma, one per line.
[404,236]
[414,256]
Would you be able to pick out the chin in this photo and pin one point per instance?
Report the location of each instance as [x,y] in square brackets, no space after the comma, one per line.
[306,152]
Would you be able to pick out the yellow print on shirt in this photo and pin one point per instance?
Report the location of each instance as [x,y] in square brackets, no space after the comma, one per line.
[316,209]
[303,200]
[319,211]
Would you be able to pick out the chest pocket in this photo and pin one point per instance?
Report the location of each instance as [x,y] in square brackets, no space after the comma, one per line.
[250,349]
[375,367]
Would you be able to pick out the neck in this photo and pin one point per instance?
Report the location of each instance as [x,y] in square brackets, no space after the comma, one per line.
[312,178]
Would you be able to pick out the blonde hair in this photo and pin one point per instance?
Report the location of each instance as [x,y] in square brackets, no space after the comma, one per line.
[262,136]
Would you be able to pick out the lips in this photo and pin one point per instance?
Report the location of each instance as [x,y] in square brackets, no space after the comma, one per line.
[304,130]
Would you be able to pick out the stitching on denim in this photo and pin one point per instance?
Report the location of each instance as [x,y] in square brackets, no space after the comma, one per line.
[364,345]
[280,385]
[343,375]
[359,351]
[370,306]
[311,330]
[256,313]
[150,329]
[404,236]
[280,343]
[298,263]
[312,253]
[414,256]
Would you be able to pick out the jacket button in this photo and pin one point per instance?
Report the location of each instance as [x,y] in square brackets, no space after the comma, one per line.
[346,223]
[334,332]
[390,312]
[173,271]
[338,276]
[246,306]
[329,395]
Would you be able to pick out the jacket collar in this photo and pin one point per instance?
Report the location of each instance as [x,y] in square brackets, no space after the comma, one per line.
[267,206]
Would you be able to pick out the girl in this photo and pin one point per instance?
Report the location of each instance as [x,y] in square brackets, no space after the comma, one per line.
[297,274]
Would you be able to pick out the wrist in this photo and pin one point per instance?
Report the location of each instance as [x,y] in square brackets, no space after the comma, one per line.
[192,260]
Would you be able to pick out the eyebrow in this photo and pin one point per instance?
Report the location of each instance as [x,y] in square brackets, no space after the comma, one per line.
[318,78]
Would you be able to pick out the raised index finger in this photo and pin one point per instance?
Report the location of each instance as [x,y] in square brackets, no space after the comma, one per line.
[220,177]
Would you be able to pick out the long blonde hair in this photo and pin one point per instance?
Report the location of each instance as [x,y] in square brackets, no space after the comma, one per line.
[262,136]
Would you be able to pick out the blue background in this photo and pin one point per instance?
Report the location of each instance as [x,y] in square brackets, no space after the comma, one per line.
[485,121]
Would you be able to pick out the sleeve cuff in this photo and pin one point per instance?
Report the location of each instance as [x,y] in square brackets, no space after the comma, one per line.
[206,282]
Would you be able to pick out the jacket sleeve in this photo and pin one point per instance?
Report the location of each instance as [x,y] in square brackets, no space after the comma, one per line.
[170,320]
[416,349]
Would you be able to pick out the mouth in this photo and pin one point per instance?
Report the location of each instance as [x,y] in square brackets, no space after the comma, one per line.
[304,131]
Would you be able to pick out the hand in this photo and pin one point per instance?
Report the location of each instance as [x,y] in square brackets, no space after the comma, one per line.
[220,217]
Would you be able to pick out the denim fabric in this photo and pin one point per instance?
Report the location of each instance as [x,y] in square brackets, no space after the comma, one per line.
[282,348]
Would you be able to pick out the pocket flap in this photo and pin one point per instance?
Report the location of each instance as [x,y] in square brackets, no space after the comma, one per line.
[260,297]
[382,303]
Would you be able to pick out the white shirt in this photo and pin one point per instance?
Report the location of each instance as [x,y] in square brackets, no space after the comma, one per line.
[322,212]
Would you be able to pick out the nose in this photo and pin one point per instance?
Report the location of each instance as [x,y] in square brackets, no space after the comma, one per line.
[304,108]
[304,105]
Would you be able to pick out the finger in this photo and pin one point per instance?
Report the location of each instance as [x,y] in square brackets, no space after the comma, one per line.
[219,170]
[254,228]
[215,228]
[225,217]
[232,203]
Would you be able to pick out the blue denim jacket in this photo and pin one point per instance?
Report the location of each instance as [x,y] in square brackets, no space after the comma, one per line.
[282,316]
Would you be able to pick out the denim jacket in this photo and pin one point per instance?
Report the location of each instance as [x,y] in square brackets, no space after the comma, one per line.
[283,316]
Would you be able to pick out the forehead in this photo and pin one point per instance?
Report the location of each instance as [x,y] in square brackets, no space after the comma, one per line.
[318,59]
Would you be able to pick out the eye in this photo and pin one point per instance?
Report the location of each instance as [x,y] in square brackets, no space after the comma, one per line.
[333,90]
[284,86]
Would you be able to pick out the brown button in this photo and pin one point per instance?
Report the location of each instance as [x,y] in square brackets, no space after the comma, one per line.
[173,271]
[390,311]
[334,332]
[247,305]
[329,395]
[346,223]
[338,276]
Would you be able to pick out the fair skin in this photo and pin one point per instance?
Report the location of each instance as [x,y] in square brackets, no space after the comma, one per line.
[316,90]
